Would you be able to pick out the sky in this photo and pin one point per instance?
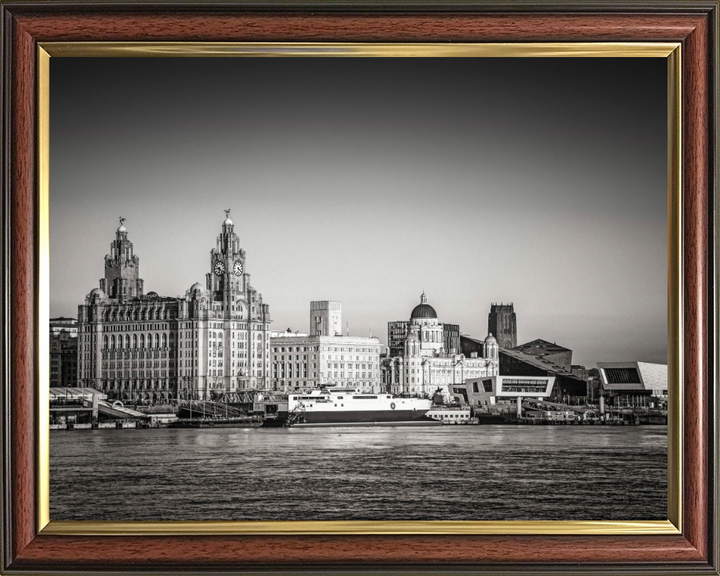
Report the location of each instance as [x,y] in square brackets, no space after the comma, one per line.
[536,181]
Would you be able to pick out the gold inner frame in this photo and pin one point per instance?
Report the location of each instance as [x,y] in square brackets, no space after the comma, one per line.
[669,50]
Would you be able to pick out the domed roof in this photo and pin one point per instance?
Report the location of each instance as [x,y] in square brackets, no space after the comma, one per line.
[423,310]
[228,221]
[490,339]
[196,286]
[97,292]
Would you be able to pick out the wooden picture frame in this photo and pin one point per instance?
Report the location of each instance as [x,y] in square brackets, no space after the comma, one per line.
[29,546]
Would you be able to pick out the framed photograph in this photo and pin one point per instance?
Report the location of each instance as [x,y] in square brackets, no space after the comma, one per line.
[350,158]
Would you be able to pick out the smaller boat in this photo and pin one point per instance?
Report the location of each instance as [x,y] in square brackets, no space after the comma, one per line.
[450,414]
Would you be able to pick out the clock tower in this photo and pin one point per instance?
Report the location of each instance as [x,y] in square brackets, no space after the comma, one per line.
[225,328]
[227,264]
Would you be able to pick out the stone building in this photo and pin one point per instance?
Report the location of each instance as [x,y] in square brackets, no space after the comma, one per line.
[63,352]
[61,324]
[224,332]
[399,330]
[503,324]
[325,356]
[325,318]
[427,363]
[302,363]
[146,348]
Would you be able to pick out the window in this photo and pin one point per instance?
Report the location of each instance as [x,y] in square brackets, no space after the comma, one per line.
[622,376]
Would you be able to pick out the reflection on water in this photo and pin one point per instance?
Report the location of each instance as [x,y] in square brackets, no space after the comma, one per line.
[430,473]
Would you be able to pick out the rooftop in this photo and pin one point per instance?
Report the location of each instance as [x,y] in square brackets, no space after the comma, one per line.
[423,310]
[540,346]
[537,361]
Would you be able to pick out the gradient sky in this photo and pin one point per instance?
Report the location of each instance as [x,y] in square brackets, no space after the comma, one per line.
[540,182]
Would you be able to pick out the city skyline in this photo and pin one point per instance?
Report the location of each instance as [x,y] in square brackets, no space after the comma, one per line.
[360,188]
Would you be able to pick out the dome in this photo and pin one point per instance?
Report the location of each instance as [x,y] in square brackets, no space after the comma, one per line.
[228,222]
[423,310]
[97,292]
[490,339]
[196,286]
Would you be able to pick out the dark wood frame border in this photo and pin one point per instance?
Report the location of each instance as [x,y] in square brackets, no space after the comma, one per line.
[694,23]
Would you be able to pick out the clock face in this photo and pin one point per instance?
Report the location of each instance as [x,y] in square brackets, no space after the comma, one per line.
[238,268]
[219,268]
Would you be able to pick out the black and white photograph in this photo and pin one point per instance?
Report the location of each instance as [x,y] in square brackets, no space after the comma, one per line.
[391,289]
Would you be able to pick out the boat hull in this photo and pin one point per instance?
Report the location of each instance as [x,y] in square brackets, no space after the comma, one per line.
[419,422]
[359,416]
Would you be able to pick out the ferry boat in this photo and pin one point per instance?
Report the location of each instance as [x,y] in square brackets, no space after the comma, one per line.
[334,406]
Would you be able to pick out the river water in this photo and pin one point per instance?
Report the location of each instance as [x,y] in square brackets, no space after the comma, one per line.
[500,472]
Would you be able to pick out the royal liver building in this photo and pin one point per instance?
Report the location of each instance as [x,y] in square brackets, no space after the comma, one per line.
[146,348]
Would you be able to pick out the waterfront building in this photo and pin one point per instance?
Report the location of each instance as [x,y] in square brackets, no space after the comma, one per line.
[127,339]
[503,324]
[301,362]
[397,334]
[451,338]
[548,351]
[61,324]
[224,332]
[489,391]
[513,362]
[63,353]
[399,330]
[625,381]
[286,334]
[580,371]
[429,361]
[145,348]
[326,318]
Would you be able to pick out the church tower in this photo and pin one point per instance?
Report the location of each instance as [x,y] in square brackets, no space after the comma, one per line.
[122,268]
[503,324]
